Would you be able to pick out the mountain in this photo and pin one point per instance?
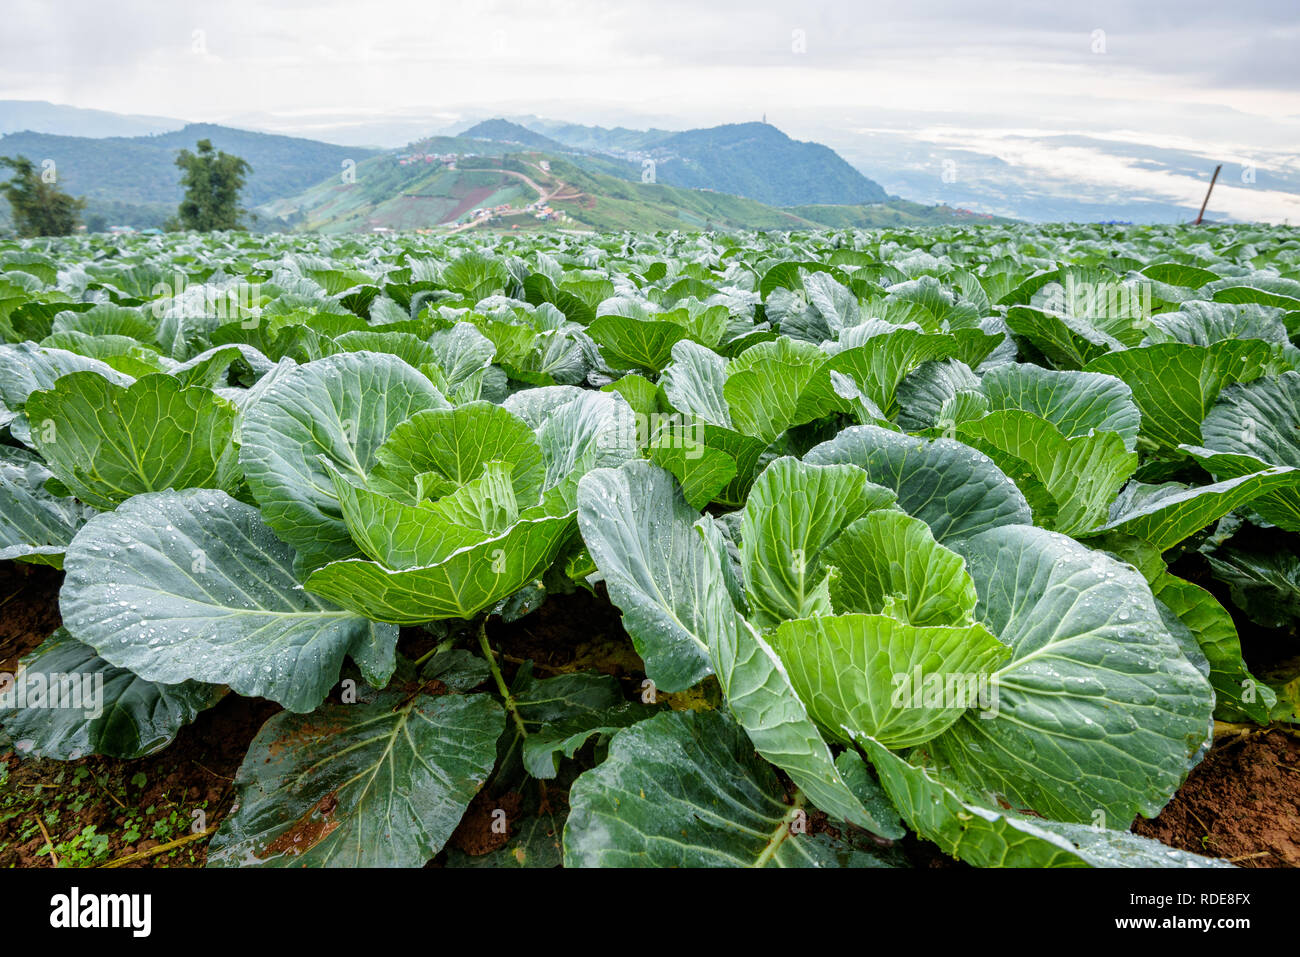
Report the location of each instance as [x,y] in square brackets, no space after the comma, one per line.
[503,131]
[134,180]
[759,161]
[755,160]
[617,140]
[497,173]
[38,116]
[439,184]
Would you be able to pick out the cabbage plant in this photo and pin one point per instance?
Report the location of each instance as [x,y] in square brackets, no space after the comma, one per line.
[964,533]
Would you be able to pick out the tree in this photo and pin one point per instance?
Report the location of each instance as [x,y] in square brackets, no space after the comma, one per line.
[212,181]
[40,208]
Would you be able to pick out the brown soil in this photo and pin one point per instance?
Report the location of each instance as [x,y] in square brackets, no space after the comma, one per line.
[1241,803]
[475,834]
[194,774]
[577,632]
[471,199]
[29,609]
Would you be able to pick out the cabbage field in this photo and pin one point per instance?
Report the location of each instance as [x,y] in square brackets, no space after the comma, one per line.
[931,543]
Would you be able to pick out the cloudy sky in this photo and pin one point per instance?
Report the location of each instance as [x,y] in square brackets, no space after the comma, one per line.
[1138,98]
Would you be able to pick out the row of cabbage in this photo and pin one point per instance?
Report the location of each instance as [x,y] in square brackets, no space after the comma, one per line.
[889,517]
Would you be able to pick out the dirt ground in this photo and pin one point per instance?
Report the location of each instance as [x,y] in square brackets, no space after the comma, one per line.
[1241,803]
[98,810]
[29,609]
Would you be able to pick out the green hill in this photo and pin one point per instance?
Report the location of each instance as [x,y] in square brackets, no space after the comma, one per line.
[759,161]
[133,180]
[755,160]
[390,194]
[418,189]
[499,174]
[503,131]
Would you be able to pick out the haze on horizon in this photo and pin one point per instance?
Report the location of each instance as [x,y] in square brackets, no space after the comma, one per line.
[996,105]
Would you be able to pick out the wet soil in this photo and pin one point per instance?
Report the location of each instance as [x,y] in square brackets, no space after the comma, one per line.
[1241,803]
[29,609]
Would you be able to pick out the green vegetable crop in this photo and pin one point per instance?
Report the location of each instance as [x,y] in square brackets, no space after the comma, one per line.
[902,526]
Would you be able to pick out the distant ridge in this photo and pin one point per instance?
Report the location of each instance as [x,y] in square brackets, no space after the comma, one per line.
[503,131]
[519,175]
[755,160]
[40,116]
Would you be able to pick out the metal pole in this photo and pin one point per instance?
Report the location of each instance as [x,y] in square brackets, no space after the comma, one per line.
[1207,195]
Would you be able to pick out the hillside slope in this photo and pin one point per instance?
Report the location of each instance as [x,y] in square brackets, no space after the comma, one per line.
[755,160]
[536,190]
[134,179]
[503,131]
[391,194]
[759,161]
